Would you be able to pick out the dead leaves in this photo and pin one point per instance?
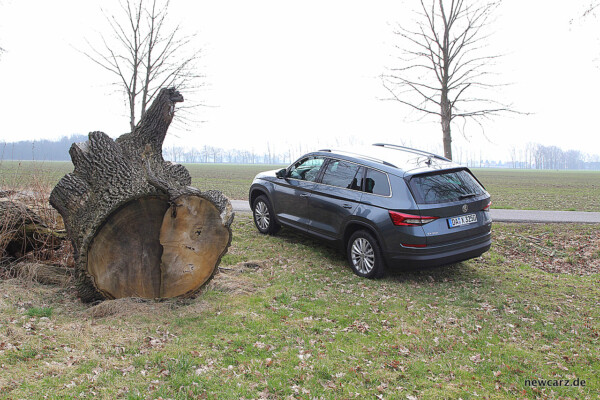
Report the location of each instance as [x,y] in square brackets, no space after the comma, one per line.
[476,358]
[572,249]
[358,326]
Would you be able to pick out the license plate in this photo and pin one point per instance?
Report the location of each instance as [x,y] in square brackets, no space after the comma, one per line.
[462,220]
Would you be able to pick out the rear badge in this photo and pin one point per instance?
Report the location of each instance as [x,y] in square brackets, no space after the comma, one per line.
[465,208]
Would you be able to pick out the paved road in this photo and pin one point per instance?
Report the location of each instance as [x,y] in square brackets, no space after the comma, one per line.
[505,215]
[545,216]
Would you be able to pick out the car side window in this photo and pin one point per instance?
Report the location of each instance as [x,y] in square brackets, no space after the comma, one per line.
[342,174]
[306,169]
[377,183]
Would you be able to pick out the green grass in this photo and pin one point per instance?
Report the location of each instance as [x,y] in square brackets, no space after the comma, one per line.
[28,174]
[303,326]
[510,189]
[232,179]
[542,190]
[39,312]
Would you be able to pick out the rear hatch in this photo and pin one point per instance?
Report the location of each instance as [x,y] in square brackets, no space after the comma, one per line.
[458,201]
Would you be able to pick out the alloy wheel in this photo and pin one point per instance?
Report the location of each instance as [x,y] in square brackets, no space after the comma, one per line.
[262,216]
[363,256]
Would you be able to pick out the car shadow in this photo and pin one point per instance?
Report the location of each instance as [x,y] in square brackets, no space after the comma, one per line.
[457,272]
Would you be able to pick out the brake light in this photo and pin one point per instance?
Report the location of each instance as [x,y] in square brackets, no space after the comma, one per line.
[400,219]
[487,208]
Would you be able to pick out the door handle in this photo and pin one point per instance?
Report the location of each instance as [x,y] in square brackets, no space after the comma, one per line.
[347,205]
[304,195]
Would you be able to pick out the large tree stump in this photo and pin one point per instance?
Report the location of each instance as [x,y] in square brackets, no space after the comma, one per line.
[137,227]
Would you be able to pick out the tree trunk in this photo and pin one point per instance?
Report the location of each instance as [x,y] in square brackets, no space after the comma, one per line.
[137,227]
[446,118]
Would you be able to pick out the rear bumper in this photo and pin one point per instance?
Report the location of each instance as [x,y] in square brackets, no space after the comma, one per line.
[440,255]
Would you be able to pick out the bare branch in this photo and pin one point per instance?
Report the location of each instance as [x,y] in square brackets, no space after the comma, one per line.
[144,54]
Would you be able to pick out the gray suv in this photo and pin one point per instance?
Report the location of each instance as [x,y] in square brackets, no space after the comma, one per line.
[384,205]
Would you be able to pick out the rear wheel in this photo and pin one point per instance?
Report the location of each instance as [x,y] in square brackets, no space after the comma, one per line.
[364,255]
[263,216]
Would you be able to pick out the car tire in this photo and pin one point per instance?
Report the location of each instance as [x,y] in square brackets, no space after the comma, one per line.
[364,255]
[263,216]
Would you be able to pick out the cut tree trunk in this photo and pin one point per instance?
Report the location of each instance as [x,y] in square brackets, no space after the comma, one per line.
[137,227]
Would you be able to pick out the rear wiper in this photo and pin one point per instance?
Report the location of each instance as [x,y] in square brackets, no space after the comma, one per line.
[466,196]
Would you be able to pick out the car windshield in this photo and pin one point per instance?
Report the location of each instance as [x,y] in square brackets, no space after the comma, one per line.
[445,187]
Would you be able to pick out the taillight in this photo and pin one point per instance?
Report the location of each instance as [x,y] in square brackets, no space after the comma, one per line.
[400,219]
[416,246]
[487,208]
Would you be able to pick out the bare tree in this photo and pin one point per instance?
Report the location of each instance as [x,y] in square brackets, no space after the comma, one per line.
[591,8]
[444,68]
[145,54]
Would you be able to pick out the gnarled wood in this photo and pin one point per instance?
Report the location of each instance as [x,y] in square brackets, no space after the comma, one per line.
[133,218]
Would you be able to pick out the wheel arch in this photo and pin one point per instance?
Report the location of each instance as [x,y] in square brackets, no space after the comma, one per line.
[354,226]
[256,191]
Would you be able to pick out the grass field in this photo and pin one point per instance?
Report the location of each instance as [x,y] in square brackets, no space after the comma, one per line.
[295,323]
[542,190]
[284,318]
[513,189]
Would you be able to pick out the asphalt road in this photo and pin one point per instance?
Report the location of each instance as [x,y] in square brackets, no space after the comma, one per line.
[534,216]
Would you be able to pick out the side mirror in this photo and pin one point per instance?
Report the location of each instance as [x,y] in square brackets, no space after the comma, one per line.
[281,173]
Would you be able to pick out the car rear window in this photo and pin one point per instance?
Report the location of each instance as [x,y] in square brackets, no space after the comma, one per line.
[445,187]
[342,174]
[377,183]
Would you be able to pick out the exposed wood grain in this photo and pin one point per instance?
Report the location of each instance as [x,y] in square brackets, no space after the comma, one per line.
[117,204]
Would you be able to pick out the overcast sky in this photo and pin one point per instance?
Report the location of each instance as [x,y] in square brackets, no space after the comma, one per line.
[291,72]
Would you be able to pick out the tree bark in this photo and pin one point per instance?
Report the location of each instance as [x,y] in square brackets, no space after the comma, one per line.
[446,119]
[137,227]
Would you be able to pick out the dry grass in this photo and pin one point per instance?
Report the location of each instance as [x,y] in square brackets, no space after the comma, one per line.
[125,308]
[30,229]
[234,279]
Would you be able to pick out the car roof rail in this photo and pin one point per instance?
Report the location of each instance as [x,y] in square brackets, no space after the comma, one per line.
[365,157]
[411,150]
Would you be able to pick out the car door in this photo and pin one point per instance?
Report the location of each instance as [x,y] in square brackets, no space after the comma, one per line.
[335,197]
[291,194]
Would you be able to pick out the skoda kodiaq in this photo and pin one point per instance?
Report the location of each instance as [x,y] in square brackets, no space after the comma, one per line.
[384,205]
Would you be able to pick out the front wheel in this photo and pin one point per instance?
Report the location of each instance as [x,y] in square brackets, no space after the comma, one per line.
[364,255]
[263,216]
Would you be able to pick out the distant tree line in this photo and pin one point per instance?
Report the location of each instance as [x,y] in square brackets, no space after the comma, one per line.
[531,156]
[41,150]
[58,150]
[538,156]
[210,154]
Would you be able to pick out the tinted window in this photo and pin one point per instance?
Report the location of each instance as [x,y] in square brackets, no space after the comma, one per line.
[377,183]
[306,169]
[445,187]
[342,174]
